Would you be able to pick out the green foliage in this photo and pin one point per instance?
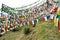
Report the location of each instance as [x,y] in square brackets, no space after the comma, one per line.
[27,30]
[16,29]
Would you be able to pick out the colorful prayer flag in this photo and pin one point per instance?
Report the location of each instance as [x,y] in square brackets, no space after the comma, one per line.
[55,21]
[37,20]
[45,18]
[59,25]
[58,12]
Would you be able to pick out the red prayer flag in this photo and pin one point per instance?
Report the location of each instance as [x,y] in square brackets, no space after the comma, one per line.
[59,24]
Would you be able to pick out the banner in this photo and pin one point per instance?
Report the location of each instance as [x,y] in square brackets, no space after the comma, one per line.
[7,9]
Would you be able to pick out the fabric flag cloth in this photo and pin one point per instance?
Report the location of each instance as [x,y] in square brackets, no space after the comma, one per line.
[3,22]
[55,21]
[3,31]
[40,20]
[45,18]
[33,22]
[54,9]
[0,29]
[24,23]
[21,25]
[59,25]
[58,12]
[58,16]
[37,20]
[6,27]
[30,22]
[14,23]
[48,16]
[21,20]
[52,16]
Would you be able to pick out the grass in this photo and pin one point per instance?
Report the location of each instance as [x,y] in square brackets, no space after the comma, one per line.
[42,31]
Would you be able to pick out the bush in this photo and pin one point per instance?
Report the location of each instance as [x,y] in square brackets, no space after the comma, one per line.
[16,29]
[27,30]
[0,35]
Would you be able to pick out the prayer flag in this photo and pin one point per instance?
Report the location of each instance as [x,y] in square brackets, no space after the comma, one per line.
[40,20]
[55,21]
[58,12]
[59,25]
[45,18]
[37,20]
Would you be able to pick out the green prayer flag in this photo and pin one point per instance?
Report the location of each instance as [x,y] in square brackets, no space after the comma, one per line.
[58,16]
[40,20]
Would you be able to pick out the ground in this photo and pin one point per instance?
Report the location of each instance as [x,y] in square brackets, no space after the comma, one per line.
[42,31]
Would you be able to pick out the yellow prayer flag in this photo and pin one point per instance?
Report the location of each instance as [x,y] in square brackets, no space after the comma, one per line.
[6,21]
[37,20]
[21,25]
[3,22]
[55,21]
[58,12]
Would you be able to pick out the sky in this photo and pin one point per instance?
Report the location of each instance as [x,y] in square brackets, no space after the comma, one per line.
[16,3]
[0,7]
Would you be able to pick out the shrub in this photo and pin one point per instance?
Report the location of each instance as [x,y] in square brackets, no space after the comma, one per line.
[27,30]
[16,29]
